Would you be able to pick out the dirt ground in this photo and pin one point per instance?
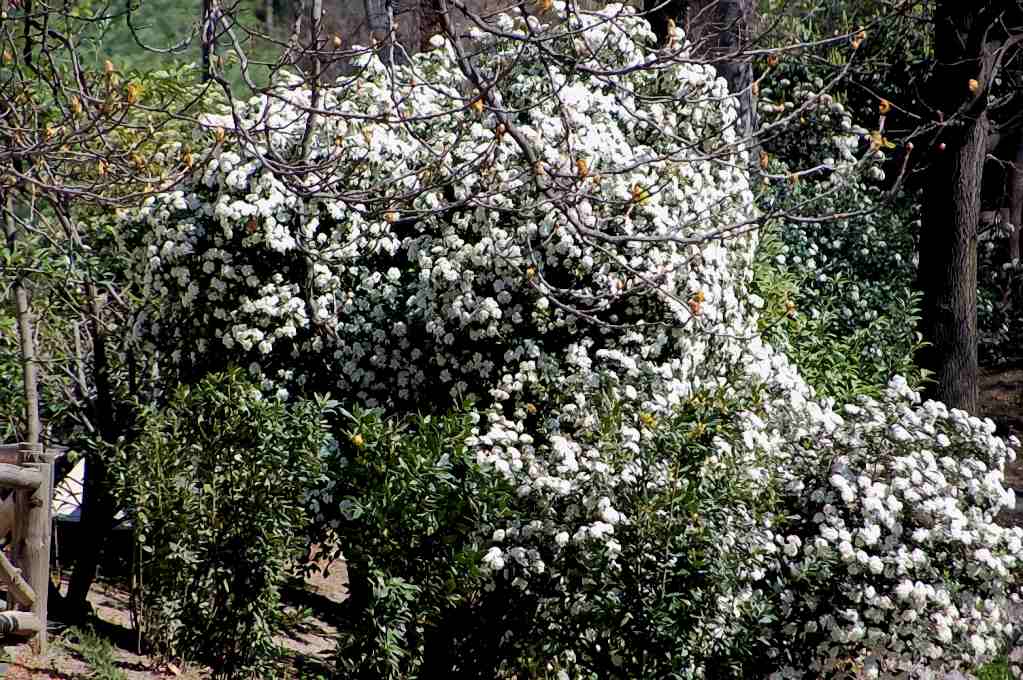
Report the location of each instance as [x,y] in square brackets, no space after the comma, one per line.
[309,639]
[1001,399]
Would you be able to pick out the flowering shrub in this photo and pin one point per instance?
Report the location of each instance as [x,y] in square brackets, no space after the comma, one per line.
[570,252]
[893,549]
[443,256]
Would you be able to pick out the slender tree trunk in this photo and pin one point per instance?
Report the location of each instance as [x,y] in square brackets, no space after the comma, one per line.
[1016,200]
[315,29]
[380,20]
[208,39]
[268,19]
[26,335]
[948,243]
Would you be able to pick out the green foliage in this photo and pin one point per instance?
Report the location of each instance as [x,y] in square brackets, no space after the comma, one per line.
[403,500]
[11,399]
[996,670]
[96,652]
[215,484]
[170,23]
[837,254]
[999,303]
[412,511]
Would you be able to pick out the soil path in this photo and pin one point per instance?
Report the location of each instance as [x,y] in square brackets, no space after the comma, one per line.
[310,605]
[1001,399]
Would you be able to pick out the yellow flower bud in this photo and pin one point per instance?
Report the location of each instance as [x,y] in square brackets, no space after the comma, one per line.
[133,92]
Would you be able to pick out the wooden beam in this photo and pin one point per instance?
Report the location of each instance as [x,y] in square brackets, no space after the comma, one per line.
[20,623]
[37,545]
[20,477]
[16,585]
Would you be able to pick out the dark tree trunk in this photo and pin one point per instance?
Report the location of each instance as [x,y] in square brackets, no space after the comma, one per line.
[1016,200]
[208,39]
[948,242]
[98,505]
[719,31]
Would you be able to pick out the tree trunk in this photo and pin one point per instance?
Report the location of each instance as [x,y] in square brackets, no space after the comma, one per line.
[380,21]
[98,506]
[948,242]
[1015,200]
[727,36]
[26,335]
[719,31]
[268,18]
[208,38]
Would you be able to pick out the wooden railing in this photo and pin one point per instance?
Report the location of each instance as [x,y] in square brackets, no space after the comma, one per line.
[25,569]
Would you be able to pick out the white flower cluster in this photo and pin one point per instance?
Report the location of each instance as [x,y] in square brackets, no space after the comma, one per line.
[555,250]
[443,257]
[894,550]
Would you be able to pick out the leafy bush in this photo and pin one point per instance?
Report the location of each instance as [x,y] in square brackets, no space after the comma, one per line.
[404,502]
[999,303]
[215,484]
[838,253]
[439,587]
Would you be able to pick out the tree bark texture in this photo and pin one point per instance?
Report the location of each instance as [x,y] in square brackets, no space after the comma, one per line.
[947,273]
[98,505]
[207,38]
[26,335]
[719,31]
[1016,200]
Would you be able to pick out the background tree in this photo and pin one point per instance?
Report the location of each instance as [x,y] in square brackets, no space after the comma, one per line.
[79,139]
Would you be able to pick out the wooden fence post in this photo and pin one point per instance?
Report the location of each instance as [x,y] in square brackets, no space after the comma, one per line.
[32,534]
